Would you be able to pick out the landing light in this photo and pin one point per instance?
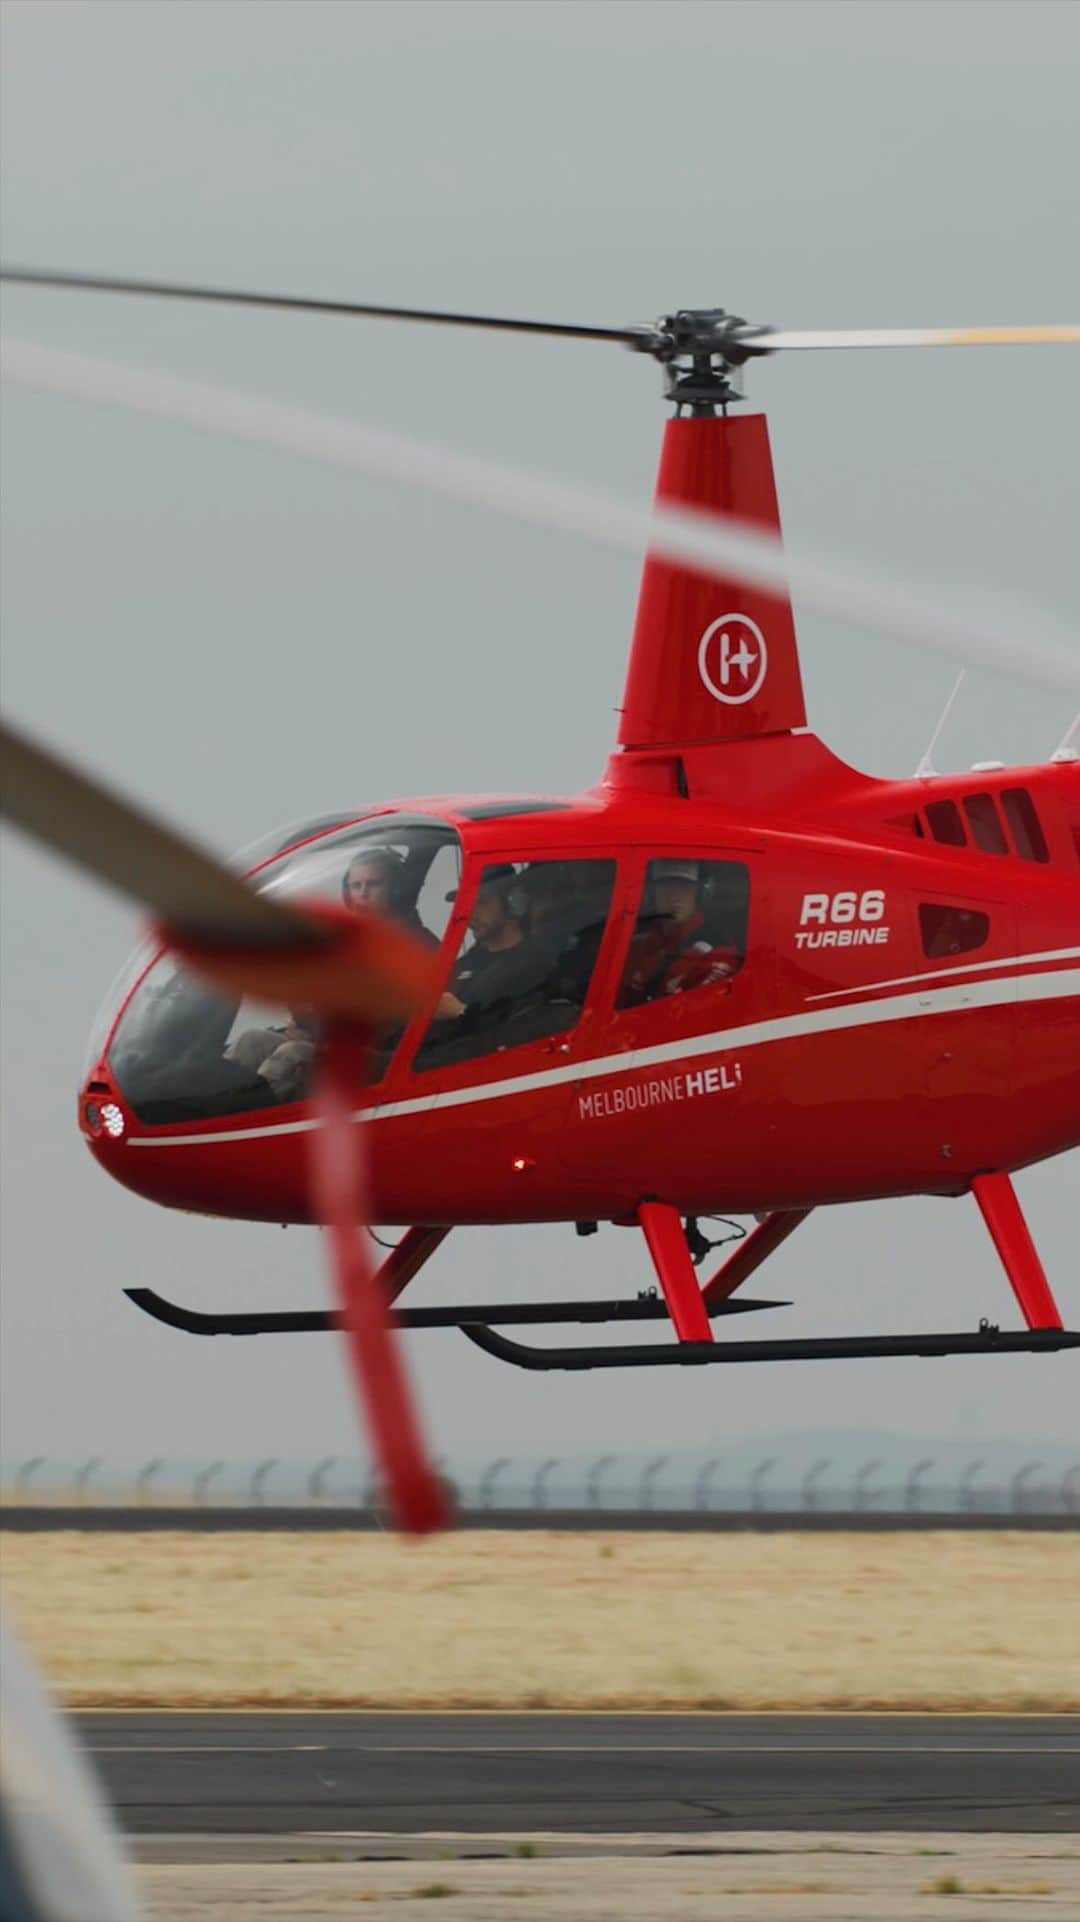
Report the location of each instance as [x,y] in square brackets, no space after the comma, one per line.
[113,1117]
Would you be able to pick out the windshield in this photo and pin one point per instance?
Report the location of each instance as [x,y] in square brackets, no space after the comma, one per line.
[182,1051]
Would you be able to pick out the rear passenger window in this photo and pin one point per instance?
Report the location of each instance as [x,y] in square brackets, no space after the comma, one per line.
[985,824]
[945,823]
[691,929]
[947,930]
[1024,824]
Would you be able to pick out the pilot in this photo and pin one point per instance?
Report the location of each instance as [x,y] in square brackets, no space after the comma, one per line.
[673,953]
[501,964]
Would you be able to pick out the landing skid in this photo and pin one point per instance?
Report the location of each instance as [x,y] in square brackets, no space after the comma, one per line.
[694,1354]
[475,1319]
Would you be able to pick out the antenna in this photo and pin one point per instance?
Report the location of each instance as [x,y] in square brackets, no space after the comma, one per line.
[926,765]
[1066,751]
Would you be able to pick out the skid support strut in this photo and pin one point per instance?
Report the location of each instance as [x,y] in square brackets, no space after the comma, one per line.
[666,1237]
[1002,1214]
[764,1237]
[417,1245]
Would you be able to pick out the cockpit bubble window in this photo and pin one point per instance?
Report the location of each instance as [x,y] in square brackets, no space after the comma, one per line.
[184,1052]
[279,839]
[691,929]
[525,962]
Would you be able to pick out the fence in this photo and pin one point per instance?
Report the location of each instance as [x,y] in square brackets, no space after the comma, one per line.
[607,1484]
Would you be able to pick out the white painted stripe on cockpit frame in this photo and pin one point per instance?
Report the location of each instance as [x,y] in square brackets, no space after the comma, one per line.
[939,974]
[1059,984]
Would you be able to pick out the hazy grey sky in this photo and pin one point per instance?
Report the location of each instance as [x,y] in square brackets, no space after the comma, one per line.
[243,638]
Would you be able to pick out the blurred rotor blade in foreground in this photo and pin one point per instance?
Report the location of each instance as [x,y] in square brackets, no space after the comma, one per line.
[78,816]
[417,1497]
[990,633]
[348,967]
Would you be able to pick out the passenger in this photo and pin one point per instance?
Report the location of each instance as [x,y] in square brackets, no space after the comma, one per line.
[672,953]
[502,964]
[374,879]
[282,1057]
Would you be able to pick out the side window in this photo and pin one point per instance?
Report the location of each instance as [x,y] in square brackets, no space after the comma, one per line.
[985,824]
[691,929]
[1024,824]
[947,930]
[525,962]
[943,818]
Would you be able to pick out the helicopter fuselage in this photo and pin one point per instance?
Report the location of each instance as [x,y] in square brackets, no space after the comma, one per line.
[904,1015]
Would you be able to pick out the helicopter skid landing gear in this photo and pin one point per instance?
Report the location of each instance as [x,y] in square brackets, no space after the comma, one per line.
[693,1354]
[194,1321]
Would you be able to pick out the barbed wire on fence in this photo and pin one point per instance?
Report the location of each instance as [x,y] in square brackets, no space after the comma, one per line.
[654,1485]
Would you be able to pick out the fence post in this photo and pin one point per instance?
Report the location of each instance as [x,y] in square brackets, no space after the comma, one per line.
[703,1481]
[23,1474]
[648,1476]
[542,1473]
[967,1493]
[84,1475]
[911,1486]
[1018,1481]
[145,1476]
[259,1478]
[318,1476]
[859,1492]
[592,1483]
[757,1477]
[810,1481]
[202,1481]
[485,1487]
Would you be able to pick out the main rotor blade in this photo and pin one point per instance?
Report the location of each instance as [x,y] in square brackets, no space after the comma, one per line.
[778,340]
[1007,636]
[78,816]
[234,297]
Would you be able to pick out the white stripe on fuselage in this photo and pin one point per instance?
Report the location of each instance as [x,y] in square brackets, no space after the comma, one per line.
[1053,985]
[939,974]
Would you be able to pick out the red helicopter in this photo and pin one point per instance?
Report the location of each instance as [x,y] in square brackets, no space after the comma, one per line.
[734,977]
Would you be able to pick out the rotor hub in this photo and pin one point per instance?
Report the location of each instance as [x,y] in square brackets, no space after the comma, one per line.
[703,351]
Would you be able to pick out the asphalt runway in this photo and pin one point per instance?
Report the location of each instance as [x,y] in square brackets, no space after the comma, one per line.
[309,1773]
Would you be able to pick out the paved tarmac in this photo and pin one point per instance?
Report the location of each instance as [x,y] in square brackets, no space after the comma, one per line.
[308,1772]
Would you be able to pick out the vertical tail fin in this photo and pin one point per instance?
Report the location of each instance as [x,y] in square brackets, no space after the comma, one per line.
[712,661]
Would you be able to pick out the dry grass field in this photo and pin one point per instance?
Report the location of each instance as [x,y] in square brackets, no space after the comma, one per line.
[937,1621]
